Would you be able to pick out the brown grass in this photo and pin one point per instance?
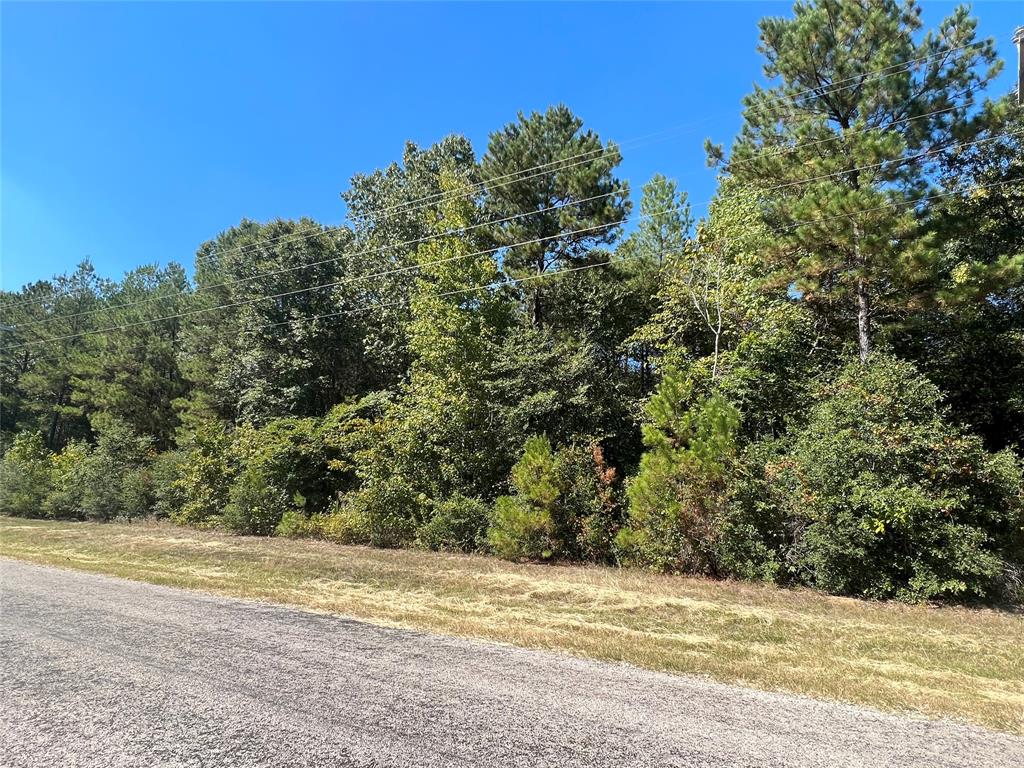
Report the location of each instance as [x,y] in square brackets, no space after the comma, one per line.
[956,662]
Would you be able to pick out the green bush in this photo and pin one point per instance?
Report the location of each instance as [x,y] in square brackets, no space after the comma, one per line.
[388,511]
[565,505]
[681,491]
[344,525]
[255,505]
[752,530]
[25,477]
[168,495]
[524,524]
[204,474]
[295,525]
[520,531]
[587,516]
[888,499]
[292,456]
[115,474]
[457,524]
[68,483]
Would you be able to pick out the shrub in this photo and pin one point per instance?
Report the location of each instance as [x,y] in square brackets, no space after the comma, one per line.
[524,525]
[255,505]
[520,531]
[25,476]
[114,475]
[168,495]
[388,511]
[752,531]
[890,500]
[565,505]
[204,476]
[680,492]
[588,509]
[68,483]
[295,525]
[458,524]
[291,455]
[138,493]
[344,525]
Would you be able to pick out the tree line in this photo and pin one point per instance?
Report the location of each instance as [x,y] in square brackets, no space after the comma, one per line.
[820,382]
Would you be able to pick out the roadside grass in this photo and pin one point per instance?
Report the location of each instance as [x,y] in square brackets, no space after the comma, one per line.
[960,663]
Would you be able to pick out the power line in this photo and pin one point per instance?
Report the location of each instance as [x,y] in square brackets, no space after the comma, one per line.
[477,226]
[713,243]
[585,230]
[464,256]
[854,80]
[822,90]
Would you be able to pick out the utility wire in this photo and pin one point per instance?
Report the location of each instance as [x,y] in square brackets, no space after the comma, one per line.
[450,232]
[510,281]
[855,80]
[721,241]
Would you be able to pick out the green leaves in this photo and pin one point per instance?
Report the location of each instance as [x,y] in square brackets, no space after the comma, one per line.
[848,140]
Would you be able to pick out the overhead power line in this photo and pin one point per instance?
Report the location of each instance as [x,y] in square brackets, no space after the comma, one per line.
[428,238]
[852,216]
[596,265]
[426,201]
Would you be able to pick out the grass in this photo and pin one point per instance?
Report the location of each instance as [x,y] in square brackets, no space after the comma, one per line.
[949,662]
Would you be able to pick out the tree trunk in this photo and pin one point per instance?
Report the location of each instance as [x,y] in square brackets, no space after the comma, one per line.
[863,298]
[863,320]
[538,314]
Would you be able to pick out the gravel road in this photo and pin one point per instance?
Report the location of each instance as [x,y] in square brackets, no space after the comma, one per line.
[96,671]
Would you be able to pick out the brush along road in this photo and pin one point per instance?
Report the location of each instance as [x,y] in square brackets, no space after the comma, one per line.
[96,671]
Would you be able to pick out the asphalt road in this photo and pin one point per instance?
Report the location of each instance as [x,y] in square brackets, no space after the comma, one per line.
[96,671]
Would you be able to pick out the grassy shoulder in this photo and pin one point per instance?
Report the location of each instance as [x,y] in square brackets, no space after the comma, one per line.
[954,662]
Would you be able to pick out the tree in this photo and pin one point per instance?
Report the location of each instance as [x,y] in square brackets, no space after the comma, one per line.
[440,437]
[573,200]
[391,211]
[972,343]
[54,326]
[845,145]
[680,492]
[132,373]
[274,328]
[658,241]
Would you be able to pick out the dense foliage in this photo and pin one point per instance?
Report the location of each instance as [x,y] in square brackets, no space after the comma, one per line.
[821,382]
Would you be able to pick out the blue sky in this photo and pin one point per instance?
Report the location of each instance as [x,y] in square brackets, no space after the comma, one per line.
[133,132]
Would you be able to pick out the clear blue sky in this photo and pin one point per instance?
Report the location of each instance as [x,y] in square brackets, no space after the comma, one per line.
[133,132]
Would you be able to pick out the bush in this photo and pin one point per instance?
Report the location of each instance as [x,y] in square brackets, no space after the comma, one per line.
[168,495]
[588,512]
[295,525]
[524,525]
[115,475]
[203,477]
[291,455]
[680,493]
[458,524]
[255,505]
[344,525]
[68,483]
[565,505]
[752,531]
[890,500]
[25,476]
[388,511]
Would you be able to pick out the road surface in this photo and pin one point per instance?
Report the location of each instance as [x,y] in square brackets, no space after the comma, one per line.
[96,671]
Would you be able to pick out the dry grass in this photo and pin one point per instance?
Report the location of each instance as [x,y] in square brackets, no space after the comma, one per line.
[954,662]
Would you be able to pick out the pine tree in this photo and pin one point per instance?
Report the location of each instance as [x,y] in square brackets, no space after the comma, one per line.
[574,173]
[847,143]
